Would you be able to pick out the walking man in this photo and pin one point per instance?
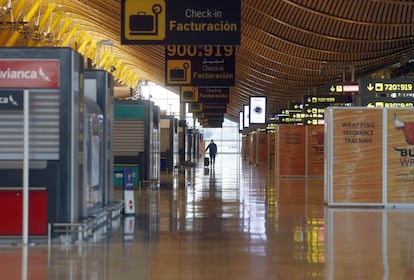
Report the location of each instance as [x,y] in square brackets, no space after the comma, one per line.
[213,151]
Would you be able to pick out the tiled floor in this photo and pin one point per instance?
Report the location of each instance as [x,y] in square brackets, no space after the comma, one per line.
[232,222]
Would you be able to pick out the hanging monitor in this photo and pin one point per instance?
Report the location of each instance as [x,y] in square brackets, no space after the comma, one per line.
[241,121]
[257,109]
[246,116]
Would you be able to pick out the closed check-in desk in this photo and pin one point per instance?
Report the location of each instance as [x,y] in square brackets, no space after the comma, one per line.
[369,155]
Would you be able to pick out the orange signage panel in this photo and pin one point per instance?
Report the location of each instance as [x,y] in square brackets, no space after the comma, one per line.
[357,156]
[262,147]
[252,148]
[292,148]
[316,137]
[400,156]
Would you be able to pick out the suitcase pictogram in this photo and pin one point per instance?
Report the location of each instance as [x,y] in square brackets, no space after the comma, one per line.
[178,74]
[188,94]
[145,24]
[141,22]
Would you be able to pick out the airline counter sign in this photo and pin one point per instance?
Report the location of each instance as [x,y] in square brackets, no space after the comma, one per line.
[29,73]
[181,22]
[11,100]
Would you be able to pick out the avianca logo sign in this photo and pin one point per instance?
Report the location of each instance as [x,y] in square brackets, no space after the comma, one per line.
[11,74]
[11,99]
[29,73]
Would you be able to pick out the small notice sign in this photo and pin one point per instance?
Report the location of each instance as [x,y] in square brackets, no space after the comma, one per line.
[129,201]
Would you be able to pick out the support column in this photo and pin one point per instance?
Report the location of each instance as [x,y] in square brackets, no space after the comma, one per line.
[181,132]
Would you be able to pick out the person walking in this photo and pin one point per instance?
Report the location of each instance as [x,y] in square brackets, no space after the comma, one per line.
[213,152]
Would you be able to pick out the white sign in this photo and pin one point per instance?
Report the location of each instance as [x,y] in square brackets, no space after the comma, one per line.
[257,110]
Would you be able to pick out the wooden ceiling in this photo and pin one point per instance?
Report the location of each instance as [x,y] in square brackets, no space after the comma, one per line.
[288,47]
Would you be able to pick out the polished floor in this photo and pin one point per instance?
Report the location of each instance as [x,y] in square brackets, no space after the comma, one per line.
[234,222]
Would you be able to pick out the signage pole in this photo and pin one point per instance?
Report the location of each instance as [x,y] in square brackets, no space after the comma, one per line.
[25,194]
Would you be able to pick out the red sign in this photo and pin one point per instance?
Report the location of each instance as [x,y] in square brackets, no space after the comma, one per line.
[29,73]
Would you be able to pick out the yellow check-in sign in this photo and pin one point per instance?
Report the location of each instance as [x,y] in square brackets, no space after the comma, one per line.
[179,71]
[181,22]
[379,87]
[145,20]
[189,94]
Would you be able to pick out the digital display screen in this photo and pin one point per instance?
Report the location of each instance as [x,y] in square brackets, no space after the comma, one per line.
[257,109]
[241,121]
[246,116]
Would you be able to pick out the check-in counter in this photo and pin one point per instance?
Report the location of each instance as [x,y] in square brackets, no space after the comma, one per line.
[55,111]
[245,147]
[298,150]
[252,147]
[136,140]
[271,143]
[315,151]
[169,143]
[262,148]
[369,157]
[290,150]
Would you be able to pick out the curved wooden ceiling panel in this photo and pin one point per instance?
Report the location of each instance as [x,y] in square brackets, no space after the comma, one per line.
[288,47]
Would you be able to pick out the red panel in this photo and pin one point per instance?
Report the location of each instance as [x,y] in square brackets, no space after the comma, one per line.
[29,73]
[38,212]
[11,210]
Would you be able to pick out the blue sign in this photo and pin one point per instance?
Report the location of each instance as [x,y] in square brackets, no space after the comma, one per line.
[119,175]
[129,200]
[128,179]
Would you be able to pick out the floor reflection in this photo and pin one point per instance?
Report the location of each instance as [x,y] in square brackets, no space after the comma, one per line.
[235,221]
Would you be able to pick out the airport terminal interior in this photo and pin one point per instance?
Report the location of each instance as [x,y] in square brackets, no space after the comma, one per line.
[235,221]
[107,109]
